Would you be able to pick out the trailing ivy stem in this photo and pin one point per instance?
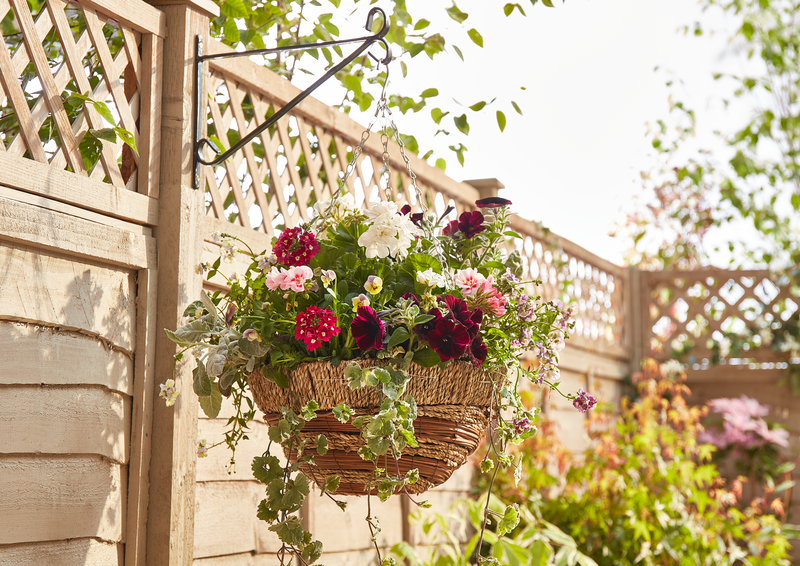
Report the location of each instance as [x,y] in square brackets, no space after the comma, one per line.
[369,519]
[491,483]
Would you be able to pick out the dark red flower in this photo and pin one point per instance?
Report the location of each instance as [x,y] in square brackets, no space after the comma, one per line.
[451,229]
[405,210]
[416,218]
[295,247]
[411,297]
[424,328]
[471,223]
[492,202]
[449,340]
[477,351]
[367,329]
[460,312]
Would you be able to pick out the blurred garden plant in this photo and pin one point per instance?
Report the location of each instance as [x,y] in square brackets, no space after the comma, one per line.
[646,490]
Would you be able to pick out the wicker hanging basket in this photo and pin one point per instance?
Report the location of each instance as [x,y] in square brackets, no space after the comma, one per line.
[453,411]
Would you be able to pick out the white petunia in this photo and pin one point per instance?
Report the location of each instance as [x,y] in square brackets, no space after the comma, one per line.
[344,206]
[430,278]
[389,234]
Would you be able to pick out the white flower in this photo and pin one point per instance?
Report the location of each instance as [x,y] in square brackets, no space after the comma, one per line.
[236,278]
[671,367]
[201,268]
[169,392]
[264,261]
[216,236]
[390,233]
[228,250]
[202,448]
[430,278]
[724,347]
[344,206]
[381,210]
[328,276]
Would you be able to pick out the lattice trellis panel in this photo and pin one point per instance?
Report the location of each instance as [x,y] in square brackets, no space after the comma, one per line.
[63,49]
[275,181]
[690,313]
[593,285]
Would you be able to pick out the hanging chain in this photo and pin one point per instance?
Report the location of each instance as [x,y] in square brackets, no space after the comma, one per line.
[384,114]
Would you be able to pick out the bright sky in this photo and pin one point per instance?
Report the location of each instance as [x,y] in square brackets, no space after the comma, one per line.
[572,161]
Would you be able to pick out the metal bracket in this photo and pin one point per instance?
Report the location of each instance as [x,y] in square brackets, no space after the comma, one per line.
[199,144]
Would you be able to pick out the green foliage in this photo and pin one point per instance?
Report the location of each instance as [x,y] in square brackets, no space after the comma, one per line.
[644,491]
[255,24]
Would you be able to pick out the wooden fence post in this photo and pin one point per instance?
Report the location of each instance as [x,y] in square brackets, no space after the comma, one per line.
[634,317]
[486,187]
[170,517]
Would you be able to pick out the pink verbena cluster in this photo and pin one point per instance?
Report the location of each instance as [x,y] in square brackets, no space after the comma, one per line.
[742,425]
[315,326]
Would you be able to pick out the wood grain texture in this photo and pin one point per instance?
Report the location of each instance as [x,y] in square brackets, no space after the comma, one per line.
[214,467]
[46,355]
[76,552]
[64,186]
[225,520]
[21,222]
[343,531]
[61,497]
[38,287]
[243,559]
[135,13]
[65,420]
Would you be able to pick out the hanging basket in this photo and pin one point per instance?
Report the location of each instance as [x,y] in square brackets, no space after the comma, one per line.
[452,406]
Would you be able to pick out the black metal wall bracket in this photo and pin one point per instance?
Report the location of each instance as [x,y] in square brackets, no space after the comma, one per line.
[199,144]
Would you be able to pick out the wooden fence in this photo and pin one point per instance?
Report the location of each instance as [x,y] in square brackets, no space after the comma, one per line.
[92,470]
[77,294]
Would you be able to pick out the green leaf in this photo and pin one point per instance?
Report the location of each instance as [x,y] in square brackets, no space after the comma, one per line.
[127,138]
[342,413]
[437,114]
[516,107]
[441,164]
[331,484]
[399,336]
[509,521]
[427,358]
[458,52]
[421,24]
[462,124]
[233,9]
[548,3]
[429,93]
[289,531]
[501,121]
[266,468]
[230,31]
[211,404]
[102,109]
[476,37]
[201,382]
[266,513]
[404,68]
[322,445]
[312,552]
[105,134]
[478,106]
[457,14]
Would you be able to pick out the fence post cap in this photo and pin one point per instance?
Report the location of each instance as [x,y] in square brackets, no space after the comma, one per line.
[486,187]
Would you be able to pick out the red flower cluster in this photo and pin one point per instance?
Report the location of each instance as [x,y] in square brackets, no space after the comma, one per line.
[295,247]
[455,334]
[469,224]
[315,326]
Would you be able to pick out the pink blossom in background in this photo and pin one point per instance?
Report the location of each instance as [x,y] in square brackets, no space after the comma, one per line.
[742,425]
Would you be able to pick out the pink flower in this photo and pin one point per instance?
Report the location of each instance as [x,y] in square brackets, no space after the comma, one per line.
[296,278]
[469,281]
[275,279]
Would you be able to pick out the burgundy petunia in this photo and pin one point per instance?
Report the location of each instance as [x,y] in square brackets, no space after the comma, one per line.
[416,218]
[425,328]
[449,340]
[451,229]
[405,210]
[492,202]
[367,329]
[411,297]
[460,312]
[471,223]
[477,351]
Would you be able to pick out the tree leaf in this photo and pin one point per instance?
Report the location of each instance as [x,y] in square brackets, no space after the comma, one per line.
[476,37]
[128,138]
[441,164]
[516,107]
[501,121]
[478,106]
[429,93]
[458,52]
[421,24]
[233,9]
[462,124]
[457,14]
